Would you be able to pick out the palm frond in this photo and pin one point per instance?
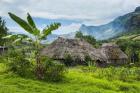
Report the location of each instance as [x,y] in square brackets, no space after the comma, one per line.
[48,30]
[32,24]
[21,23]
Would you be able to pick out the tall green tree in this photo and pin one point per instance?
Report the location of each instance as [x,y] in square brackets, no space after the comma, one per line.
[90,39]
[3,31]
[30,27]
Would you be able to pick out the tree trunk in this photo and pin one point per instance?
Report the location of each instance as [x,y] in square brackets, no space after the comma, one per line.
[39,68]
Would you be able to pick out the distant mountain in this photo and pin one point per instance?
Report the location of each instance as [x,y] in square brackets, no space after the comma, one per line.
[69,35]
[129,23]
[53,37]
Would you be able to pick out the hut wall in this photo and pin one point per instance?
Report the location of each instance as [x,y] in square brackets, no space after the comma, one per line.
[117,62]
[101,63]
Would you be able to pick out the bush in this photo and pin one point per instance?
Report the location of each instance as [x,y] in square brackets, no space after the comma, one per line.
[19,64]
[68,60]
[54,70]
[23,64]
[89,61]
[124,74]
[22,67]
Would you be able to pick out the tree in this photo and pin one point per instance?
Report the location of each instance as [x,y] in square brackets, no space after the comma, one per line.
[79,34]
[30,27]
[3,31]
[90,39]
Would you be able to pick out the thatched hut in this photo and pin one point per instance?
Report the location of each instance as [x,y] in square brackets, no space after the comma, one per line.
[80,49]
[113,54]
[76,48]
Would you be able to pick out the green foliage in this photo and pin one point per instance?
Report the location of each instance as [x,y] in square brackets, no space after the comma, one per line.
[130,47]
[30,21]
[79,34]
[68,60]
[48,29]
[73,61]
[54,70]
[3,31]
[17,39]
[90,39]
[19,64]
[76,81]
[22,63]
[124,74]
[89,61]
[21,22]
[30,27]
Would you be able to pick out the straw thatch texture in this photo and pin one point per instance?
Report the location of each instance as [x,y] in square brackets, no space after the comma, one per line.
[78,48]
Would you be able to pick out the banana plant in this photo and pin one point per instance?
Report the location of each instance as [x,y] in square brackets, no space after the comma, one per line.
[30,27]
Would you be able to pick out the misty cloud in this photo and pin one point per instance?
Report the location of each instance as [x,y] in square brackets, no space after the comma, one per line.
[91,12]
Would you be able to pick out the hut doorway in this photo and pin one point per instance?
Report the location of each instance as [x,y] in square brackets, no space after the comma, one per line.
[100,63]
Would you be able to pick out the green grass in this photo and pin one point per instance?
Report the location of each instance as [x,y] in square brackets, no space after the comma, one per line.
[131,37]
[76,81]
[137,38]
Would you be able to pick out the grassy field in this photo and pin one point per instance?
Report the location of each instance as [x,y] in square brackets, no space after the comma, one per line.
[76,81]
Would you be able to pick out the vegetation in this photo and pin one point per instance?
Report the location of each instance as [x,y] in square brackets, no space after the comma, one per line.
[77,80]
[68,60]
[125,74]
[3,31]
[25,63]
[54,70]
[131,48]
[90,39]
[130,44]
[23,69]
[31,28]
[18,63]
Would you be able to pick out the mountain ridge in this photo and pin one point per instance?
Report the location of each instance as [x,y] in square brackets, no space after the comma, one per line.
[122,24]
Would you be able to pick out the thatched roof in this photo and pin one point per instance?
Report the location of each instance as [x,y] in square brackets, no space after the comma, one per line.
[112,51]
[78,48]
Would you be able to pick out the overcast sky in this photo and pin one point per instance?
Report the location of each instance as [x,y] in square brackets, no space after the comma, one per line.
[89,12]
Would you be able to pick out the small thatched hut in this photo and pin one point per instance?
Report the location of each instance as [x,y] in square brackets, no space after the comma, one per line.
[80,49]
[112,54]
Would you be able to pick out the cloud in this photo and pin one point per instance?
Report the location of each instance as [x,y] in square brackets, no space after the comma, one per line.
[62,30]
[67,29]
[90,12]
[70,9]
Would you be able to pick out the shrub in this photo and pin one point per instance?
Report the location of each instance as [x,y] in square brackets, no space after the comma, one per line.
[19,64]
[54,70]
[21,67]
[68,60]
[89,61]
